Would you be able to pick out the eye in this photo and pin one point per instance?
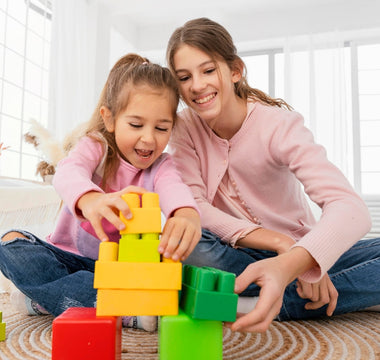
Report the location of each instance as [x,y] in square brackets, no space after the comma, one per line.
[210,71]
[136,126]
[183,78]
[162,129]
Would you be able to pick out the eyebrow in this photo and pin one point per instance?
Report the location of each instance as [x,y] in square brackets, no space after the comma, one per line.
[137,117]
[200,65]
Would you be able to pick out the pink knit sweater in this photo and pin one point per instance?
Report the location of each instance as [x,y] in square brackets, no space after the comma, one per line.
[271,162]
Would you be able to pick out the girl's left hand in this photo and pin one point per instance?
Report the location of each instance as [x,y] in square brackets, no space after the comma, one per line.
[320,293]
[181,234]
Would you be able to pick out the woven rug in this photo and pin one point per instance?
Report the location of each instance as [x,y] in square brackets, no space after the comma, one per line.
[352,336]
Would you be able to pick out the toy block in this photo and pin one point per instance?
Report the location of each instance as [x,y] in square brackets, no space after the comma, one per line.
[140,250]
[137,302]
[185,338]
[208,293]
[134,275]
[145,219]
[78,334]
[108,251]
[2,327]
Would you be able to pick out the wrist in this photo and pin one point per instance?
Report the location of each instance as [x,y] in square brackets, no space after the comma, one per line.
[296,261]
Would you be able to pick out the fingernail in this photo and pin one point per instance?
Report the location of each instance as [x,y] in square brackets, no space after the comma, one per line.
[122,227]
[129,216]
[167,255]
[160,249]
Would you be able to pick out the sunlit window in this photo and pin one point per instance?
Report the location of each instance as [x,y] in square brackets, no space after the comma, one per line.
[24,72]
[359,72]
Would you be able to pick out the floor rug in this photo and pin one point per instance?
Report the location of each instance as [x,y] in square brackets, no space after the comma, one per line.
[347,337]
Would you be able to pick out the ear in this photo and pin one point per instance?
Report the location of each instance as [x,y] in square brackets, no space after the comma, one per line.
[106,115]
[237,71]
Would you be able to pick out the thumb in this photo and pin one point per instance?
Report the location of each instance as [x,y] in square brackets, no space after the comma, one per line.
[246,278]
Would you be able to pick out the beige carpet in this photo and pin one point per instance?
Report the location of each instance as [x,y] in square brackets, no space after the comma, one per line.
[352,336]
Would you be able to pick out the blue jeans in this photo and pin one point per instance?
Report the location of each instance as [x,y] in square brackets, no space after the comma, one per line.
[54,278]
[356,275]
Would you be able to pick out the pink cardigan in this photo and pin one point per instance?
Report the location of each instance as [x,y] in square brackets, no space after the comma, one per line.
[268,160]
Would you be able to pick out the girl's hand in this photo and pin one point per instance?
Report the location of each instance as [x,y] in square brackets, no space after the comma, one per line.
[272,275]
[181,234]
[96,205]
[320,294]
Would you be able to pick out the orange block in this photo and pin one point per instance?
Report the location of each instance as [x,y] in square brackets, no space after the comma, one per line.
[136,302]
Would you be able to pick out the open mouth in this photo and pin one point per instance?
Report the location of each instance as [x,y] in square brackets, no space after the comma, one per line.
[145,154]
[205,99]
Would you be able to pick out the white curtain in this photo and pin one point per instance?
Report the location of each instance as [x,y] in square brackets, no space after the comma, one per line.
[73,60]
[317,83]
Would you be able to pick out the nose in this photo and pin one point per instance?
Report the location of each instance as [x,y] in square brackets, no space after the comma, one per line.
[198,83]
[147,136]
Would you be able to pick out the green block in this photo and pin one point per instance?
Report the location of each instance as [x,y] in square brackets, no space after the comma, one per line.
[138,250]
[208,293]
[185,338]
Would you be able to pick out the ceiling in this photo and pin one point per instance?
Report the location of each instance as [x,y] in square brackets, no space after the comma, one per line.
[147,24]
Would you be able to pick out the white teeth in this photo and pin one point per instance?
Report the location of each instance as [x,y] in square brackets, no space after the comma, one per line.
[205,99]
[144,153]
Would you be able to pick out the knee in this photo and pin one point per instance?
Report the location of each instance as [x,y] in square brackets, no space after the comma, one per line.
[12,235]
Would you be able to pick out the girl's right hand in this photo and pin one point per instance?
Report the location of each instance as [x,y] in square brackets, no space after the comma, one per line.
[96,205]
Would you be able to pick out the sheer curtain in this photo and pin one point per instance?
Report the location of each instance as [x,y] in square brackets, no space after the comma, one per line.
[73,61]
[317,83]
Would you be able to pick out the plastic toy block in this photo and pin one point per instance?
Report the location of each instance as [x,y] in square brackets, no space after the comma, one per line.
[2,327]
[185,338]
[145,219]
[78,334]
[138,250]
[134,275]
[208,293]
[108,251]
[137,302]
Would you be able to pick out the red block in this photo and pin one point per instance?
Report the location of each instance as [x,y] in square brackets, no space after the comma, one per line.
[78,334]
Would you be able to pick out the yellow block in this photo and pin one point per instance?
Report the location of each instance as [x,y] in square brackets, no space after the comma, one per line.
[137,275]
[108,251]
[138,250]
[136,302]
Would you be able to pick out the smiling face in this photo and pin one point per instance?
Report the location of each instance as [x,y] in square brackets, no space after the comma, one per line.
[143,129]
[207,86]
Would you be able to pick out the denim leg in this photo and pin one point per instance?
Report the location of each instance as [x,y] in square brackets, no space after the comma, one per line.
[356,276]
[54,278]
[213,252]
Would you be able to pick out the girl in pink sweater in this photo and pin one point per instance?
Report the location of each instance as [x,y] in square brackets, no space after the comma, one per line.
[249,161]
[121,152]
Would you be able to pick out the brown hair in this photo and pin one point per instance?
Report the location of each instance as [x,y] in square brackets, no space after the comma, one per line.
[213,39]
[129,72]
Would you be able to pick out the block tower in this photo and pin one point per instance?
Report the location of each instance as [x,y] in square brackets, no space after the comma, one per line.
[131,277]
[207,299]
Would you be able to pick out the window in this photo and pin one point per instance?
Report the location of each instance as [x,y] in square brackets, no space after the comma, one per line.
[358,67]
[24,69]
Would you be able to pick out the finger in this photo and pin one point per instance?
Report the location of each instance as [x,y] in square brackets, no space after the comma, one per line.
[333,299]
[115,220]
[97,226]
[184,244]
[245,279]
[260,318]
[191,247]
[175,240]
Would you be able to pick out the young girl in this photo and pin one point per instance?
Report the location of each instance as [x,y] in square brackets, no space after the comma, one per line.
[121,152]
[245,157]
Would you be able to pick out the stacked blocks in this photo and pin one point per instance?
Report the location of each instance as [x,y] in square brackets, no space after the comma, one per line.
[79,334]
[208,293]
[2,327]
[207,299]
[130,278]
